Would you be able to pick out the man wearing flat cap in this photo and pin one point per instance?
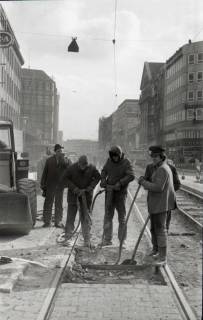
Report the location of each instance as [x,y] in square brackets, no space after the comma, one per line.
[158,180]
[81,178]
[52,187]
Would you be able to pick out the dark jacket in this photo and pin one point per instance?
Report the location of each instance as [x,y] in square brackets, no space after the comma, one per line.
[114,172]
[151,168]
[161,194]
[75,178]
[53,172]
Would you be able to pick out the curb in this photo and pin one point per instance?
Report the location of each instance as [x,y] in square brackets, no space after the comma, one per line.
[14,271]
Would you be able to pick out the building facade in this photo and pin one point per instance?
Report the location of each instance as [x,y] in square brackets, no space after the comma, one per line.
[183,107]
[77,147]
[40,109]
[11,61]
[125,125]
[151,104]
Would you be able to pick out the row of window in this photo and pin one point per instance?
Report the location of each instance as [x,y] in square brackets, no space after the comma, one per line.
[195,76]
[196,114]
[185,134]
[28,84]
[195,58]
[195,95]
[177,83]
[177,66]
[190,114]
[7,112]
[175,100]
[9,85]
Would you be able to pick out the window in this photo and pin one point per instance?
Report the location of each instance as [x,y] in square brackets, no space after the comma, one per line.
[190,95]
[199,95]
[199,114]
[200,57]
[199,76]
[190,114]
[191,76]
[191,59]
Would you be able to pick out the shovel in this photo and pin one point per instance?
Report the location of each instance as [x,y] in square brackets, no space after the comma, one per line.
[132,261]
[126,221]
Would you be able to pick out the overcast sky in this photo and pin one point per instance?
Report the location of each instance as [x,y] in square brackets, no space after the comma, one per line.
[146,30]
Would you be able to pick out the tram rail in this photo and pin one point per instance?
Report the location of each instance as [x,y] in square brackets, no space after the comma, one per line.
[48,305]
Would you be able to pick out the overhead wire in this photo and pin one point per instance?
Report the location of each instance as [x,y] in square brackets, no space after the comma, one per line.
[114,52]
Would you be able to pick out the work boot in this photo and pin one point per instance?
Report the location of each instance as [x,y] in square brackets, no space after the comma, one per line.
[105,243]
[154,252]
[124,244]
[59,225]
[161,257]
[87,243]
[46,225]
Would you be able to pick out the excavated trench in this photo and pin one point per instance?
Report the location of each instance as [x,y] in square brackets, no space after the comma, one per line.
[98,266]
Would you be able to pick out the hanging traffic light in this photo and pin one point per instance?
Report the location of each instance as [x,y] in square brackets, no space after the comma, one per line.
[73,46]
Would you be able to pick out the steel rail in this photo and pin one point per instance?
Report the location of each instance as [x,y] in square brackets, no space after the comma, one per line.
[190,218]
[45,311]
[167,274]
[183,212]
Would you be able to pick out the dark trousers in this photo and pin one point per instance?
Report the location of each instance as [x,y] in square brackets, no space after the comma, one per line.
[158,230]
[74,204]
[53,195]
[114,200]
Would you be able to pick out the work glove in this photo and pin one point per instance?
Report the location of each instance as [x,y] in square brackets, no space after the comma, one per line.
[117,186]
[44,190]
[103,184]
[141,180]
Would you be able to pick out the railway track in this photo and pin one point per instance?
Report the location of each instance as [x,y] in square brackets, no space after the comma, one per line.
[190,204]
[48,309]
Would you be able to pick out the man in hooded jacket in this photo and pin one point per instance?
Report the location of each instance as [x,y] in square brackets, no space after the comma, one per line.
[116,174]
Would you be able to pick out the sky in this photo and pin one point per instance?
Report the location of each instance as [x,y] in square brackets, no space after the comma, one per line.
[95,81]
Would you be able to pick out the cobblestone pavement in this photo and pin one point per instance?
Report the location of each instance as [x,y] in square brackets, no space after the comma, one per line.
[85,301]
[115,302]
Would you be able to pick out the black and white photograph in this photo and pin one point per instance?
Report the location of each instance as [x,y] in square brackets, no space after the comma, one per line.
[101,159]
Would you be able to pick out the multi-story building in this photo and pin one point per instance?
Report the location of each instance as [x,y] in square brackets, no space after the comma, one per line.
[105,137]
[151,104]
[125,125]
[11,61]
[40,108]
[183,107]
[77,147]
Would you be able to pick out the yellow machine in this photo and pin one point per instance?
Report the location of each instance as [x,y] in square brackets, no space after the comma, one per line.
[18,196]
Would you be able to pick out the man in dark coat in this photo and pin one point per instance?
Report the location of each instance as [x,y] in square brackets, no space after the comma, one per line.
[116,174]
[161,199]
[81,178]
[52,188]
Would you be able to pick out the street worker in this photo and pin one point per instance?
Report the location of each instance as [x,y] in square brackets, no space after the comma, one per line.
[161,198]
[52,188]
[41,163]
[81,178]
[116,174]
[176,183]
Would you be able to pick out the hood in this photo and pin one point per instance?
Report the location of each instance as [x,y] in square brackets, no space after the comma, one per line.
[116,150]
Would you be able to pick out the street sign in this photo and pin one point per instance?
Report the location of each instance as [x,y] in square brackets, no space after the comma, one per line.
[6,39]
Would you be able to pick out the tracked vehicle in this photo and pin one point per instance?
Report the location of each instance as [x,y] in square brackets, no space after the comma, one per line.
[18,196]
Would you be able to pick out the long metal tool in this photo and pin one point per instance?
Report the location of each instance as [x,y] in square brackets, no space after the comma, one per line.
[132,261]
[126,221]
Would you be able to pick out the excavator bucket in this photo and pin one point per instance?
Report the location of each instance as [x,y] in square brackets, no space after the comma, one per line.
[15,215]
